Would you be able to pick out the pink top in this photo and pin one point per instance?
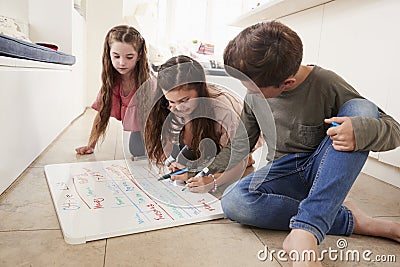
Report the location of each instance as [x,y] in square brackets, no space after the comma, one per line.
[227,108]
[119,106]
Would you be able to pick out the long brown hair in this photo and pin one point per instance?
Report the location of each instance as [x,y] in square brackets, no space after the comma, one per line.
[162,129]
[109,75]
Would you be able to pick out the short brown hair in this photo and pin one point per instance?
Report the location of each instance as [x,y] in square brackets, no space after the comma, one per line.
[268,53]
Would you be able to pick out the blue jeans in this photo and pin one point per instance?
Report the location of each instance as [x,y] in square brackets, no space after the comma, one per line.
[304,190]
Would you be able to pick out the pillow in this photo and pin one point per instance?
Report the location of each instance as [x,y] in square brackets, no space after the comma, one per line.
[10,27]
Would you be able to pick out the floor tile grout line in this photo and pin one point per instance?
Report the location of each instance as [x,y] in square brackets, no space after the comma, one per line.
[30,230]
[386,216]
[36,167]
[105,253]
[262,242]
[15,183]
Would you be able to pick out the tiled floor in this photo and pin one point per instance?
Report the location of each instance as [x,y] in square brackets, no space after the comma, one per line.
[30,234]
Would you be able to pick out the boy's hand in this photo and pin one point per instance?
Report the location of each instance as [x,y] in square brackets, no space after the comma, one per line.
[83,150]
[342,136]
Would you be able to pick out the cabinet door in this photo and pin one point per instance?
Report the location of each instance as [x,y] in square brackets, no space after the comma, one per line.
[358,43]
[391,157]
[393,109]
[308,25]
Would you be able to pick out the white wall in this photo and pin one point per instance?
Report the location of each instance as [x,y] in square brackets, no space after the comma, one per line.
[17,10]
[101,16]
[356,39]
[359,40]
[38,100]
[79,50]
[48,25]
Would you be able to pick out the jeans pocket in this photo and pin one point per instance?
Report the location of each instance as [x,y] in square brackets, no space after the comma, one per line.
[310,135]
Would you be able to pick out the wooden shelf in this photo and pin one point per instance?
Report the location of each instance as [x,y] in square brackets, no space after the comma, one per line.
[275,9]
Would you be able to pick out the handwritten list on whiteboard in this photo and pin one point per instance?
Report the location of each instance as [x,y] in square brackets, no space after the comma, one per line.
[96,200]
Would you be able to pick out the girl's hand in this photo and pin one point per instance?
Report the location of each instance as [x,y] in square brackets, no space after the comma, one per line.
[200,184]
[182,177]
[342,136]
[83,150]
[175,167]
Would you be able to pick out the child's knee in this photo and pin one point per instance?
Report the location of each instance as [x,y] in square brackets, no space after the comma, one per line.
[228,200]
[231,200]
[359,107]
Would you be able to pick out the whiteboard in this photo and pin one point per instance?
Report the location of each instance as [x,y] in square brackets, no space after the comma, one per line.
[96,200]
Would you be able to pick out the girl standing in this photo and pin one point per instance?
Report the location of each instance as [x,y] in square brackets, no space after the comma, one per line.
[125,69]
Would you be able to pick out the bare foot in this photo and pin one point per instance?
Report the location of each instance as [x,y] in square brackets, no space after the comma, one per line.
[366,225]
[302,248]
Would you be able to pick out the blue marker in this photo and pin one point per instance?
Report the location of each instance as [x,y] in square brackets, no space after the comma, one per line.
[168,175]
[334,124]
[200,174]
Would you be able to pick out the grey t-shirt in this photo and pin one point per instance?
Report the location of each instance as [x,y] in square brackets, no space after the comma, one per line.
[293,122]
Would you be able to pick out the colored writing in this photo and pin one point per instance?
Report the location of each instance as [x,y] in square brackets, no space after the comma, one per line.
[140,198]
[62,186]
[119,201]
[98,203]
[127,187]
[98,176]
[114,171]
[89,191]
[205,205]
[113,187]
[98,189]
[158,214]
[81,178]
[123,170]
[177,212]
[70,203]
[140,220]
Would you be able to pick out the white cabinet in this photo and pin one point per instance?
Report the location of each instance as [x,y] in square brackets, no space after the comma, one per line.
[356,39]
[33,113]
[357,42]
[38,100]
[308,26]
[274,9]
[393,108]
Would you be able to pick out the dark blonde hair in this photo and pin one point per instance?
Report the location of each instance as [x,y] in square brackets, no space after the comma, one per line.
[180,73]
[268,53]
[109,75]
